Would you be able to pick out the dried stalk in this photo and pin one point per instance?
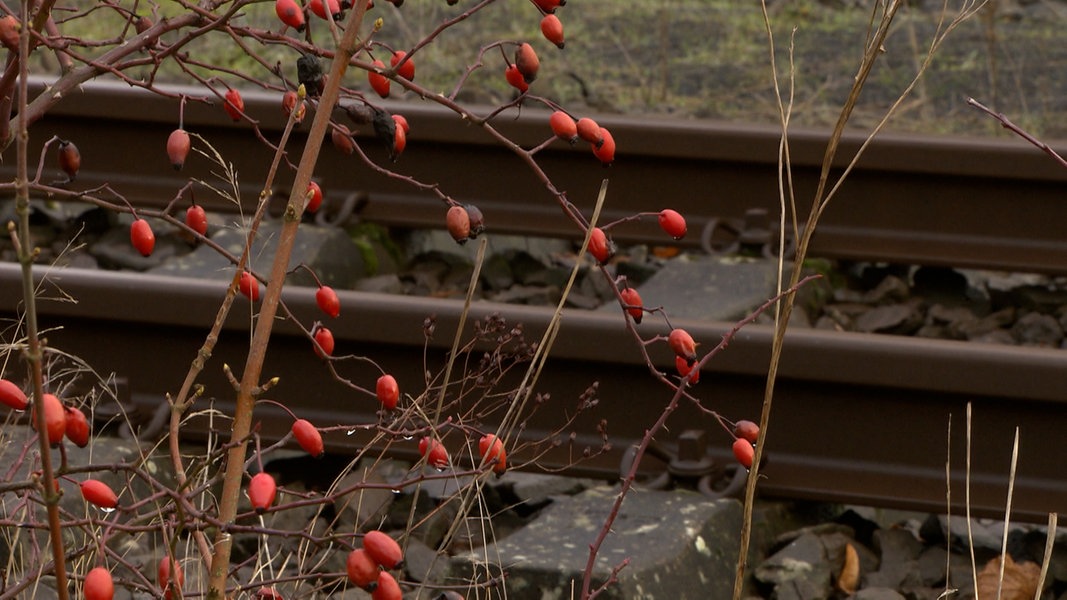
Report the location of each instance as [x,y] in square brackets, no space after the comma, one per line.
[26,253]
[250,377]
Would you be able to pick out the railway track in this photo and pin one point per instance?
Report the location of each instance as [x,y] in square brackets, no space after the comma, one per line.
[858,418]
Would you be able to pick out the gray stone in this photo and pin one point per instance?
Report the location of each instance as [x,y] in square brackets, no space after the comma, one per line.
[948,315]
[527,294]
[933,565]
[896,545]
[997,336]
[362,507]
[538,488]
[423,564]
[992,322]
[1036,329]
[895,575]
[877,593]
[690,555]
[890,318]
[710,288]
[336,260]
[380,284]
[892,289]
[799,570]
[496,273]
[637,265]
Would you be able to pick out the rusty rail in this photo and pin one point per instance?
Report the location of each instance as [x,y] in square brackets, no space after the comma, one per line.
[859,418]
[912,199]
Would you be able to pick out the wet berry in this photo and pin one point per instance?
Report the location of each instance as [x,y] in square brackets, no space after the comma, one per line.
[98,585]
[54,416]
[383,549]
[362,570]
[314,196]
[77,427]
[99,493]
[290,100]
[589,130]
[744,452]
[672,223]
[684,368]
[142,238]
[261,491]
[747,430]
[290,13]
[434,452]
[341,138]
[249,286]
[407,70]
[526,62]
[196,219]
[170,578]
[633,299]
[563,126]
[458,222]
[388,391]
[491,448]
[235,104]
[178,145]
[606,150]
[474,215]
[683,345]
[12,395]
[308,437]
[552,29]
[600,246]
[388,588]
[324,339]
[319,8]
[378,82]
[328,301]
[70,159]
[515,78]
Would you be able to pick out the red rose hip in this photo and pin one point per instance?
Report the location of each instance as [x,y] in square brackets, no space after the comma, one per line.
[672,223]
[388,391]
[383,549]
[308,437]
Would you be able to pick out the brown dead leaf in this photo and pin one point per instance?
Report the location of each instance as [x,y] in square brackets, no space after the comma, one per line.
[1020,580]
[849,578]
[666,251]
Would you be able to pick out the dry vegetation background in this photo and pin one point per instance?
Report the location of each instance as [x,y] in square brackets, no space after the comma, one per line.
[708,59]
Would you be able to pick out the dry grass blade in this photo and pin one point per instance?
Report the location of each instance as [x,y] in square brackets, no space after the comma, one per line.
[1050,541]
[949,590]
[1007,511]
[967,502]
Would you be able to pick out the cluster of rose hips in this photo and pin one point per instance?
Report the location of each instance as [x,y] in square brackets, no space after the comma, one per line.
[566,128]
[60,420]
[368,567]
[746,433]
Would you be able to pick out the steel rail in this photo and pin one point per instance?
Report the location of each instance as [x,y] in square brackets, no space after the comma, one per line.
[859,418]
[949,201]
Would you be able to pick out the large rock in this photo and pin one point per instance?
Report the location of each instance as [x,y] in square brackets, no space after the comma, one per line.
[709,288]
[329,251]
[680,545]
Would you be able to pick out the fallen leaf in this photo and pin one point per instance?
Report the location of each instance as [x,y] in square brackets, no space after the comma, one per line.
[849,578]
[1020,580]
